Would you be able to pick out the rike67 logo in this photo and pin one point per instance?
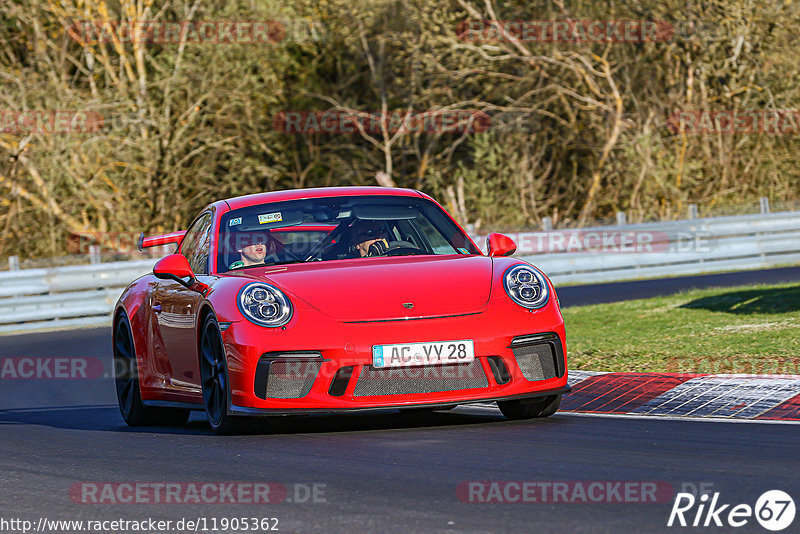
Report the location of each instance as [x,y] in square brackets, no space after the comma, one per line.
[774,510]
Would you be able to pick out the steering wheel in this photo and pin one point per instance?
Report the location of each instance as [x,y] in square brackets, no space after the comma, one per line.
[405,251]
[402,248]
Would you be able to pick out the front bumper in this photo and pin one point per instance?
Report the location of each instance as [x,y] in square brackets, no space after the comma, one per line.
[238,410]
[318,364]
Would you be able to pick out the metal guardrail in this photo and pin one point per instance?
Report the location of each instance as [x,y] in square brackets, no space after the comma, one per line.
[84,295]
[80,295]
[71,278]
[676,248]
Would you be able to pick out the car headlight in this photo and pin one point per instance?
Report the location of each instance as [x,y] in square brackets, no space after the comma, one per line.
[264,304]
[526,286]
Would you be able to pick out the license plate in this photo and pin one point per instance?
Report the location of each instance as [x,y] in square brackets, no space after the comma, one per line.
[431,353]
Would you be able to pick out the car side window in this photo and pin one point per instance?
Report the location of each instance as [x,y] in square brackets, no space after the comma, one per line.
[197,242]
[437,241]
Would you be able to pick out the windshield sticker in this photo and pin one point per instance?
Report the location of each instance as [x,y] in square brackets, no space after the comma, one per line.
[234,222]
[463,250]
[269,218]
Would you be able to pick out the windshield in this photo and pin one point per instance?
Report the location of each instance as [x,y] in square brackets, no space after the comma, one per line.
[336,228]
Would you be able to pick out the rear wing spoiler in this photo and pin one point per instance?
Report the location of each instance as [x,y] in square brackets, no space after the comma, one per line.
[156,240]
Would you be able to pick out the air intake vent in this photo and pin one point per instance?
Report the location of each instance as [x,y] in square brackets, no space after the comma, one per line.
[536,361]
[291,380]
[539,357]
[285,379]
[427,379]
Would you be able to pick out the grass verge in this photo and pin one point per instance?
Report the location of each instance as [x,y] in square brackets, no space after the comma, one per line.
[754,329]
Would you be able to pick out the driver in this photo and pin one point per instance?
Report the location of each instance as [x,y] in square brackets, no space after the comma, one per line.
[369,238]
[252,248]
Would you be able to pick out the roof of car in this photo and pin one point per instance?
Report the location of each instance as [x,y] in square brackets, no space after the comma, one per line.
[317,192]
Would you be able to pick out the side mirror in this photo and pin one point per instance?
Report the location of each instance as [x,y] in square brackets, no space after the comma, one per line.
[174,267]
[500,245]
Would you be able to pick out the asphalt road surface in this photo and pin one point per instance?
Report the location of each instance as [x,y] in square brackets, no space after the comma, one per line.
[61,439]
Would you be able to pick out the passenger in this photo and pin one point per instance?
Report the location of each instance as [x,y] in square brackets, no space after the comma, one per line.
[253,248]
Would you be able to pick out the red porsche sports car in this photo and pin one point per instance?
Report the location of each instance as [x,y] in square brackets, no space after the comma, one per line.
[329,300]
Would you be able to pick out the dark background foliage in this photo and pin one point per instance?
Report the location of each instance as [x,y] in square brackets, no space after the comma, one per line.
[189,123]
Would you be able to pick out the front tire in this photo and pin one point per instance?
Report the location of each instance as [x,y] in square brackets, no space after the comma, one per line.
[526,409]
[126,377]
[215,382]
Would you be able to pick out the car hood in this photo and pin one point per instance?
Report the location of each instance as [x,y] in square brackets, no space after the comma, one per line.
[375,289]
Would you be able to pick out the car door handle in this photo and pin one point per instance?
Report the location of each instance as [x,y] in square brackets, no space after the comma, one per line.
[157,308]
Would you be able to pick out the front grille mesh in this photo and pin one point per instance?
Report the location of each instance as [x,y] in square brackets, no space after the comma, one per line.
[537,362]
[427,379]
[291,379]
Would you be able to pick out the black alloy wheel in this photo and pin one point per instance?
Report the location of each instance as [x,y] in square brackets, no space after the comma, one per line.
[215,383]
